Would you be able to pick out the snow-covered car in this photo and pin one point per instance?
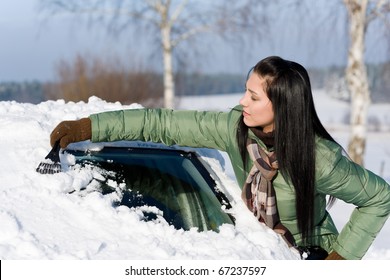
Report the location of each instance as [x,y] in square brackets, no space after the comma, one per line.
[164,182]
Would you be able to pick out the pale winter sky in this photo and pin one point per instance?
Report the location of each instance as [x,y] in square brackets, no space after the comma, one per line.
[31,44]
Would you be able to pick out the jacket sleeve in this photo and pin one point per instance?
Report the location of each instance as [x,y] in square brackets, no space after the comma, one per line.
[185,128]
[342,178]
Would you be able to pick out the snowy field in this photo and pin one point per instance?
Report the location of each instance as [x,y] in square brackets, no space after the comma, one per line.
[41,221]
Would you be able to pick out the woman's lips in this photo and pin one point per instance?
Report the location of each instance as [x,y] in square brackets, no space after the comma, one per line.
[245,114]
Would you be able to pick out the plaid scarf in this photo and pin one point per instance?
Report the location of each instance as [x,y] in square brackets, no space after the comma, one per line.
[258,192]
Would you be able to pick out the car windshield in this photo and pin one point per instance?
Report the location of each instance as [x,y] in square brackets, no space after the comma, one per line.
[172,180]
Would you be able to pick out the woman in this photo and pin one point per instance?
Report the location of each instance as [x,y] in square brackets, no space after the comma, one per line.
[276,118]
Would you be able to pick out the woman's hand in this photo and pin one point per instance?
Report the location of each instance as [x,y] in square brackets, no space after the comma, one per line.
[71,131]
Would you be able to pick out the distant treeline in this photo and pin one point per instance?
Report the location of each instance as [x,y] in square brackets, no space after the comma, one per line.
[332,79]
[25,92]
[206,84]
[146,85]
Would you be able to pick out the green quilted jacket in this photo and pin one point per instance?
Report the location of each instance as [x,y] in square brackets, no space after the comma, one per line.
[336,175]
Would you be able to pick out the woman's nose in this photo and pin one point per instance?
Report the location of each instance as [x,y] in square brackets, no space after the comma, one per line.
[243,100]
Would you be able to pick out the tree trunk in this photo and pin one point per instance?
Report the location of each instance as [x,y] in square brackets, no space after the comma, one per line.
[167,48]
[169,86]
[357,80]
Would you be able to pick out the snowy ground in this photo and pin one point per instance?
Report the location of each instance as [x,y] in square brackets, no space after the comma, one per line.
[40,220]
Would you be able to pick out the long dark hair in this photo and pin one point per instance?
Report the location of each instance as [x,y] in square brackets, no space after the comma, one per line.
[296,125]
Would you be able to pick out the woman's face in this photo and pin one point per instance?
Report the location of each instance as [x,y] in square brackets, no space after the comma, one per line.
[257,108]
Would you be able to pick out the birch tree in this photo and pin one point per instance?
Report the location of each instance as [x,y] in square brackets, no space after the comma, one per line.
[171,21]
[360,14]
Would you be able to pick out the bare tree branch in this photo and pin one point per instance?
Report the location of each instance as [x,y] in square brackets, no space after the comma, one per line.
[379,10]
[178,11]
